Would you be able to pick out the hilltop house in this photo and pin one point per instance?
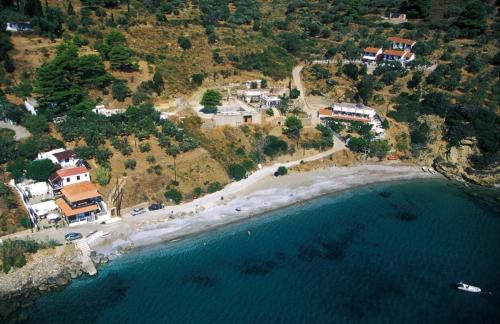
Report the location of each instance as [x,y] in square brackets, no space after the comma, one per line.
[372,54]
[401,56]
[68,176]
[65,158]
[101,110]
[81,203]
[397,18]
[18,26]
[402,43]
[250,96]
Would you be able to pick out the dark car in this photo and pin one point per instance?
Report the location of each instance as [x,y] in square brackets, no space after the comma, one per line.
[73,236]
[155,206]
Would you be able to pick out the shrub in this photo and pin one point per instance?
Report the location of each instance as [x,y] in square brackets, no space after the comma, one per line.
[144,147]
[197,79]
[12,253]
[214,186]
[150,159]
[184,42]
[174,195]
[350,70]
[237,171]
[130,164]
[274,146]
[103,175]
[282,170]
[197,192]
[119,90]
[379,148]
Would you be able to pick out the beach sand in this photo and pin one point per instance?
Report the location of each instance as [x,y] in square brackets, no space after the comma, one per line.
[259,193]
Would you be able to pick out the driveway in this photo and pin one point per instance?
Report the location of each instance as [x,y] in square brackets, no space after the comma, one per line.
[20,131]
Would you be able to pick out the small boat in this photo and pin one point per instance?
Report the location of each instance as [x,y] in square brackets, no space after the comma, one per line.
[106,234]
[469,288]
[424,169]
[238,209]
[432,171]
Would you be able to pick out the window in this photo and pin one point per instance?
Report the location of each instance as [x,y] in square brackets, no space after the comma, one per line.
[68,179]
[77,177]
[66,160]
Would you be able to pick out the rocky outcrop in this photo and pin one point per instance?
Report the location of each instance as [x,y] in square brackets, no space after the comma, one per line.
[46,270]
[456,165]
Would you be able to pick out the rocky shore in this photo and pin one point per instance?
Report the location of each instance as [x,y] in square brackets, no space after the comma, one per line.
[45,271]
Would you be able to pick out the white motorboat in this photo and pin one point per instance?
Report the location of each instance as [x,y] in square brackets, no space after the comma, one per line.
[432,171]
[469,288]
[424,169]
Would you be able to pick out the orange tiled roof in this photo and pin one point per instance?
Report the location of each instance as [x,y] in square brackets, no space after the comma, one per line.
[67,172]
[68,211]
[325,111]
[80,191]
[372,49]
[395,53]
[401,40]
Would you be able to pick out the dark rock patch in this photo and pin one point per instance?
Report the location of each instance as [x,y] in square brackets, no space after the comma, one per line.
[308,253]
[385,194]
[199,279]
[257,268]
[406,216]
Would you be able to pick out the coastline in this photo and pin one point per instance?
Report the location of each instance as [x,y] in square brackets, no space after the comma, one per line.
[251,200]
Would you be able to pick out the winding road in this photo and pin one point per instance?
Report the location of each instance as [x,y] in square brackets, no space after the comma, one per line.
[20,131]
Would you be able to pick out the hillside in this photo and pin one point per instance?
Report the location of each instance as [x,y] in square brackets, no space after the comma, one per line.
[440,109]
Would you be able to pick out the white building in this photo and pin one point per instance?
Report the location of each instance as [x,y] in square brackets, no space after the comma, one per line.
[398,56]
[253,84]
[101,110]
[402,43]
[67,176]
[372,54]
[42,209]
[31,104]
[18,26]
[268,101]
[65,158]
[349,112]
[236,116]
[251,96]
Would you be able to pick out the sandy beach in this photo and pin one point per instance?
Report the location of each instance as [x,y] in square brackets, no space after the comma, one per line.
[260,193]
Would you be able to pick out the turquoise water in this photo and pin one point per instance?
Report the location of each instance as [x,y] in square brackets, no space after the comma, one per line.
[386,253]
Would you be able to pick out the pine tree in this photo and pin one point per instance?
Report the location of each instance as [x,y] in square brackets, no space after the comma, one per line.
[33,8]
[70,10]
[158,82]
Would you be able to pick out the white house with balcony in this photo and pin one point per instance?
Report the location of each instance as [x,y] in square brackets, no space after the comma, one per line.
[68,176]
[399,56]
[18,26]
[403,44]
[372,54]
[269,101]
[65,158]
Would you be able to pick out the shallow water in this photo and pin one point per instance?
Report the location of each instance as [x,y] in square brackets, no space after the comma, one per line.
[386,253]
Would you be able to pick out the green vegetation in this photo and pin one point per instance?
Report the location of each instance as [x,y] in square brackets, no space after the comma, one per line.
[211,99]
[13,252]
[282,170]
[174,195]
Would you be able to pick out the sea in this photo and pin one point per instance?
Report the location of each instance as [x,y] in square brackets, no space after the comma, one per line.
[387,253]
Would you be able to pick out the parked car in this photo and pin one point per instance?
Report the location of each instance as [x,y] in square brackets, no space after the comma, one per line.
[155,206]
[73,236]
[138,211]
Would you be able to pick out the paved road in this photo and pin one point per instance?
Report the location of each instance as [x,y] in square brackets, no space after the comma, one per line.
[20,131]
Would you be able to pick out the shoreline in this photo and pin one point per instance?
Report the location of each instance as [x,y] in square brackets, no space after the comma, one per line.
[267,194]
